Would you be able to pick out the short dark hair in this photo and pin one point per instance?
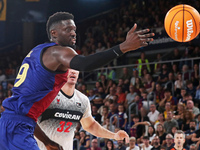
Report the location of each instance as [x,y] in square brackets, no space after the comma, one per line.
[146,137]
[57,18]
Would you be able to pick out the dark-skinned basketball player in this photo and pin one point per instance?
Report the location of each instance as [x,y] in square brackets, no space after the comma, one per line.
[43,72]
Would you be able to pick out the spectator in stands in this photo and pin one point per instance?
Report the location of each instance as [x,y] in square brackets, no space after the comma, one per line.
[193,147]
[159,93]
[173,131]
[195,75]
[145,102]
[187,117]
[121,145]
[95,114]
[76,140]
[113,110]
[197,95]
[160,132]
[142,64]
[122,117]
[138,84]
[163,76]
[170,82]
[184,62]
[104,115]
[190,106]
[103,81]
[146,144]
[169,142]
[185,72]
[121,83]
[112,93]
[157,65]
[151,132]
[111,74]
[170,122]
[198,121]
[100,47]
[2,76]
[149,85]
[189,132]
[161,120]
[132,146]
[135,130]
[179,114]
[121,95]
[144,72]
[176,55]
[153,114]
[181,98]
[97,85]
[109,145]
[84,89]
[109,126]
[167,109]
[175,71]
[125,74]
[134,76]
[91,95]
[190,88]
[94,145]
[156,143]
[84,140]
[168,98]
[179,84]
[108,86]
[130,96]
[126,86]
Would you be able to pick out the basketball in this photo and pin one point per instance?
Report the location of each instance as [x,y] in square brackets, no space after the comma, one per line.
[182,23]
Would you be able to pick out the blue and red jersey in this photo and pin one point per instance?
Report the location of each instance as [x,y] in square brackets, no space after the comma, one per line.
[35,86]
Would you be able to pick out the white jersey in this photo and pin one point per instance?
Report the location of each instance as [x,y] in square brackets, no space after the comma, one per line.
[60,119]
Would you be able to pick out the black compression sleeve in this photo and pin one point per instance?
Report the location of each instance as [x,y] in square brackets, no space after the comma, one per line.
[94,61]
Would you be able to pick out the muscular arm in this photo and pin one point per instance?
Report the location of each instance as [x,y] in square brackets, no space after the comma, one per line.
[50,145]
[62,58]
[93,127]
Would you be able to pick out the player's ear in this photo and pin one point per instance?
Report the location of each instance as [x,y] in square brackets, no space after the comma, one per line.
[53,33]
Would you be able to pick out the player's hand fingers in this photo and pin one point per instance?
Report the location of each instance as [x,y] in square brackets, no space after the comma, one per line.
[142,31]
[146,35]
[132,29]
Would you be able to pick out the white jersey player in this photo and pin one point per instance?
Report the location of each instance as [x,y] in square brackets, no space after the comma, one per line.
[59,121]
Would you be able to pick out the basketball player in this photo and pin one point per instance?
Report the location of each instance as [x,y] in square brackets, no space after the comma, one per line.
[42,74]
[179,140]
[60,119]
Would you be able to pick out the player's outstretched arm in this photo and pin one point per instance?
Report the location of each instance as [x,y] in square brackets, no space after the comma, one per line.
[50,145]
[93,127]
[62,58]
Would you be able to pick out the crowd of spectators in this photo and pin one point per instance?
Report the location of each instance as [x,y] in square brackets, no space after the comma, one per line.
[166,95]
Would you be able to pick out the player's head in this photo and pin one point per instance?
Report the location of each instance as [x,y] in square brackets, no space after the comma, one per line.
[61,28]
[179,138]
[72,76]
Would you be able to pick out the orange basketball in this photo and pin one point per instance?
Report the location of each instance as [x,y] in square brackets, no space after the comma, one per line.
[182,23]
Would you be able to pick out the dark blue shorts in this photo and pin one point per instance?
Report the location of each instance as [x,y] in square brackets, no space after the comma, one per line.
[16,132]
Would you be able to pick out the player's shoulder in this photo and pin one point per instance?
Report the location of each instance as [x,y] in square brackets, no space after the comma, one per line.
[78,93]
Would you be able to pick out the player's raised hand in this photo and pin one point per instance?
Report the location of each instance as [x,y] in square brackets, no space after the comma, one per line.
[136,39]
[120,135]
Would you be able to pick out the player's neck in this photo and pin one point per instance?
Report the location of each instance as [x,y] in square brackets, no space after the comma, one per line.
[68,89]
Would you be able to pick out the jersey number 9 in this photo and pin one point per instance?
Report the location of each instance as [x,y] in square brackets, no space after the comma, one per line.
[22,74]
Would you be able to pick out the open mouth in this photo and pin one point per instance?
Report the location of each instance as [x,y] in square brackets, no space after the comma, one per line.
[72,77]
